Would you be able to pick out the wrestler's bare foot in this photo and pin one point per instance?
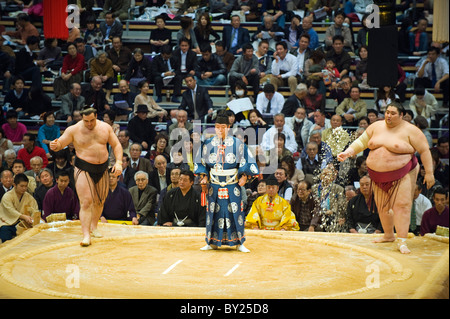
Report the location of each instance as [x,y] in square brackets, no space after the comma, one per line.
[243,249]
[85,242]
[383,239]
[96,233]
[402,247]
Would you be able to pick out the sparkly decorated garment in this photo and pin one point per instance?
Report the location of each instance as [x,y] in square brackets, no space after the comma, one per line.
[224,161]
[275,215]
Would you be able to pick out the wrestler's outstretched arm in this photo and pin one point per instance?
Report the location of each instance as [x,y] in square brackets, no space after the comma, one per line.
[359,145]
[64,140]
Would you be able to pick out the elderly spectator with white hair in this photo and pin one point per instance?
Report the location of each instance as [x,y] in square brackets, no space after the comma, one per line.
[144,199]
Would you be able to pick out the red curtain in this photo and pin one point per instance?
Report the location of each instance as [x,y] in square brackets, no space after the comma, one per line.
[55,17]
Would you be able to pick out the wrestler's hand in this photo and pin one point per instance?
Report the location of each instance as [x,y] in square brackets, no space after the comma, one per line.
[429,180]
[344,155]
[54,145]
[117,169]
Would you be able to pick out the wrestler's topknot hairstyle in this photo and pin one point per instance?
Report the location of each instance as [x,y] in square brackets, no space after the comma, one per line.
[88,110]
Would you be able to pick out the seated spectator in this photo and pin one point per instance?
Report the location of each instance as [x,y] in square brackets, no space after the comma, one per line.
[418,39]
[352,108]
[154,110]
[437,79]
[30,150]
[361,67]
[163,66]
[6,182]
[181,205]
[24,29]
[18,96]
[325,154]
[310,164]
[159,148]
[137,162]
[250,7]
[422,124]
[144,199]
[61,199]
[265,61]
[141,128]
[339,28]
[279,127]
[8,159]
[92,35]
[437,215]
[61,162]
[124,139]
[94,95]
[327,6]
[293,31]
[86,50]
[120,57]
[119,9]
[18,167]
[235,36]
[5,144]
[159,36]
[37,164]
[342,91]
[160,177]
[38,102]
[13,206]
[123,102]
[14,130]
[296,100]
[210,70]
[195,100]
[187,31]
[182,124]
[441,169]
[275,154]
[284,68]
[285,189]
[126,179]
[51,54]
[176,163]
[245,68]
[362,38]
[139,69]
[330,74]
[111,27]
[313,36]
[264,213]
[302,53]
[102,67]
[372,115]
[27,65]
[356,172]
[338,141]
[300,125]
[304,207]
[423,103]
[227,57]
[187,58]
[70,102]
[420,205]
[320,122]
[48,132]
[7,64]
[277,10]
[385,95]
[46,182]
[118,204]
[203,31]
[257,123]
[362,213]
[270,31]
[340,57]
[269,102]
[71,71]
[313,67]
[313,100]
[442,147]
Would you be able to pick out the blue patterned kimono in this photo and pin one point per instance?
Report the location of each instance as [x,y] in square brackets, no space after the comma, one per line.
[225,217]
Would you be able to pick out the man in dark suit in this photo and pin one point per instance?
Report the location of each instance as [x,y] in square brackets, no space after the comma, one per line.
[127,176]
[234,36]
[70,102]
[140,128]
[187,58]
[144,199]
[202,104]
[111,27]
[164,65]
[160,177]
[95,96]
[27,65]
[137,162]
[6,182]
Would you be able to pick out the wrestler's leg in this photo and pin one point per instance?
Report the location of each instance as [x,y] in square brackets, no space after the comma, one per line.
[97,208]
[402,208]
[83,188]
[387,220]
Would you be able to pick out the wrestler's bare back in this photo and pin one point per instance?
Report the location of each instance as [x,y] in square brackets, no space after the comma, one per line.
[391,147]
[89,139]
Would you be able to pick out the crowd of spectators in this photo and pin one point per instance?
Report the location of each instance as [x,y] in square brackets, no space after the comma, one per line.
[298,133]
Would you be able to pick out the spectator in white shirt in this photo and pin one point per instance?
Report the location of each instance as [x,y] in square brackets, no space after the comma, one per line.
[269,102]
[284,68]
[279,127]
[420,205]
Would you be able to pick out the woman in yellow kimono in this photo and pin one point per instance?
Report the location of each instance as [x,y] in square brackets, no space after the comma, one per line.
[271,211]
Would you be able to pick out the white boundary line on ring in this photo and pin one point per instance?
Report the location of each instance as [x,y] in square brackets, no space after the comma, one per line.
[232,269]
[172,267]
